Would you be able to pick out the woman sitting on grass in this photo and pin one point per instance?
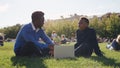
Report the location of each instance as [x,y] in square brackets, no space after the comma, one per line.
[115,45]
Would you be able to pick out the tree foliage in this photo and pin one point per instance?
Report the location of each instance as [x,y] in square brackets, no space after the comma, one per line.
[107,26]
[66,27]
[11,31]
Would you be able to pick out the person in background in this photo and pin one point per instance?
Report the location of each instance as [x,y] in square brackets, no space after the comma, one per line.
[1,39]
[27,41]
[86,40]
[63,39]
[73,37]
[53,35]
[115,45]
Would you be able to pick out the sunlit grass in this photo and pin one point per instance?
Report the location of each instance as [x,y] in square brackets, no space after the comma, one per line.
[8,60]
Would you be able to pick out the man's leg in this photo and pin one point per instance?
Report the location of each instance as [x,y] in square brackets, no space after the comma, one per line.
[45,52]
[83,50]
[30,49]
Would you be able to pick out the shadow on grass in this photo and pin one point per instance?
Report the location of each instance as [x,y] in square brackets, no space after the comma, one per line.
[69,59]
[106,61]
[28,62]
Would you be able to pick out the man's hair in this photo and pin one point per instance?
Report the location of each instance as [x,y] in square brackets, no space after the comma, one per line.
[85,20]
[37,15]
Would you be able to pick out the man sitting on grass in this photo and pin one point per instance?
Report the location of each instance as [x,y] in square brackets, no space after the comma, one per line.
[86,40]
[27,41]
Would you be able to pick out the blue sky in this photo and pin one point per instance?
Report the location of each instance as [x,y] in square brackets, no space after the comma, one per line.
[19,11]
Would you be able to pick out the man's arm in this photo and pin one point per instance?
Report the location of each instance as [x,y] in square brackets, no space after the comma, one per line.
[77,37]
[45,38]
[28,36]
[95,43]
[49,42]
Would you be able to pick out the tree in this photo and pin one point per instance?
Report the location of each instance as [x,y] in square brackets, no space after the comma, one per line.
[11,32]
[107,25]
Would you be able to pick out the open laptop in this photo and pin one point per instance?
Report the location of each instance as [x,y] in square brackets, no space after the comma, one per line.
[63,51]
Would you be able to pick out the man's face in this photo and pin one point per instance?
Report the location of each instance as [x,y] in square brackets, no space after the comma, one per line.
[39,22]
[82,25]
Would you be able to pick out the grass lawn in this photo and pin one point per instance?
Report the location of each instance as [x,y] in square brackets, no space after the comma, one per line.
[8,60]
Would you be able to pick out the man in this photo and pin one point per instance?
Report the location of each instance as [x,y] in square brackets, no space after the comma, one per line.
[27,41]
[86,40]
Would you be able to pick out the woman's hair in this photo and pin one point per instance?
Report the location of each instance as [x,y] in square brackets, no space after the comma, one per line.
[118,39]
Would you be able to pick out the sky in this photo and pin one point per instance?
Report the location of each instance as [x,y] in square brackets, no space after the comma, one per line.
[19,11]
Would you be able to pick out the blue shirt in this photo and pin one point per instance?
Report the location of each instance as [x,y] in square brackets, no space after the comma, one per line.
[28,33]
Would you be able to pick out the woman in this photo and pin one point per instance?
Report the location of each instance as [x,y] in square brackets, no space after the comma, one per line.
[115,45]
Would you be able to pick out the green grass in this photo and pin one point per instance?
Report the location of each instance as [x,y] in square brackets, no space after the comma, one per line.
[8,60]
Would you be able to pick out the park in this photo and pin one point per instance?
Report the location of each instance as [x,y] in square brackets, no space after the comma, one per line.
[107,27]
[32,30]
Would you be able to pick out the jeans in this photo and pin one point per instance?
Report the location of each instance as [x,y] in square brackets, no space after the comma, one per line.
[30,49]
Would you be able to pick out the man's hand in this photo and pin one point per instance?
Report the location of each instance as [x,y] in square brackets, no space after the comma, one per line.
[51,50]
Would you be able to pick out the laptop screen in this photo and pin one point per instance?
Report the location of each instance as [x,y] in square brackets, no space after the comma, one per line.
[63,51]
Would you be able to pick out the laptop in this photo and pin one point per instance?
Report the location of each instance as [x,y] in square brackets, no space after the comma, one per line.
[63,51]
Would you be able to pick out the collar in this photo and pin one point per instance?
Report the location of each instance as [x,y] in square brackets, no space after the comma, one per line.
[35,28]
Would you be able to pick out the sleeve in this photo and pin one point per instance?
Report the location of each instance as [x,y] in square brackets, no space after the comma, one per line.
[46,39]
[77,37]
[95,43]
[77,34]
[29,37]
